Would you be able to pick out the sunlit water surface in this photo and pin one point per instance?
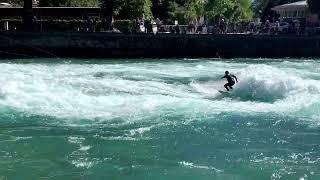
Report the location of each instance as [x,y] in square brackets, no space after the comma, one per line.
[159,119]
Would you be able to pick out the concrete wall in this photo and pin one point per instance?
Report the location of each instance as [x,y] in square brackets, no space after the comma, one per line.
[98,45]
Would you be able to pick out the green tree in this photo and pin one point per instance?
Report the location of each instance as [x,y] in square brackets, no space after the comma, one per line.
[69,3]
[176,12]
[260,6]
[128,9]
[109,8]
[136,8]
[220,8]
[314,6]
[125,9]
[160,9]
[211,10]
[237,10]
[147,9]
[263,7]
[243,11]
[195,9]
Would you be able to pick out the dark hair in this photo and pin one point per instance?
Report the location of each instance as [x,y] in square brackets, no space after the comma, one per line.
[227,72]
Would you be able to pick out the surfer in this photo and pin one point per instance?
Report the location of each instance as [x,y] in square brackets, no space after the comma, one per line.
[230,78]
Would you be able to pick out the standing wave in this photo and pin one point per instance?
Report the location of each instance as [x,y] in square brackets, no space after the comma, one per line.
[268,84]
[65,91]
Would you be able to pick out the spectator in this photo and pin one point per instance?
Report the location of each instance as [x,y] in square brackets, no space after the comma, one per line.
[177,29]
[199,29]
[204,29]
[222,26]
[142,25]
[277,26]
[297,27]
[251,27]
[267,27]
[191,28]
[159,23]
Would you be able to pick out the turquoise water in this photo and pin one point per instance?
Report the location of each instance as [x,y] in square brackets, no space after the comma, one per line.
[152,119]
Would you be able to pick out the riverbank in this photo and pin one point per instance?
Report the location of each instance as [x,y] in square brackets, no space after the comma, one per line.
[107,45]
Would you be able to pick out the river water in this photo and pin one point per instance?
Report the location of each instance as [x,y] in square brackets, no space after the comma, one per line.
[159,119]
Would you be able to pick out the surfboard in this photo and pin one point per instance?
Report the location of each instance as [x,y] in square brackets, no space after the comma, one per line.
[223,92]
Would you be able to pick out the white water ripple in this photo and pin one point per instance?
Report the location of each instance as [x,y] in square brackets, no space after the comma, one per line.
[135,91]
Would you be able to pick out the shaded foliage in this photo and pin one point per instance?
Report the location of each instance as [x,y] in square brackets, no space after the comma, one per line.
[262,8]
[160,9]
[14,2]
[314,6]
[210,10]
[125,9]
[184,11]
[69,3]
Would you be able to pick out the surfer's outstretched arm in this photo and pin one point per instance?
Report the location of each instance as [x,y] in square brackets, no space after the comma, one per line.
[235,78]
[223,77]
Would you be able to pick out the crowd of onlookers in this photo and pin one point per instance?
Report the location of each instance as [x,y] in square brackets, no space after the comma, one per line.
[141,25]
[293,26]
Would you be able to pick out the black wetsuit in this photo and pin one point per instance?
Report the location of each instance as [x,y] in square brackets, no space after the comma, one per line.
[230,80]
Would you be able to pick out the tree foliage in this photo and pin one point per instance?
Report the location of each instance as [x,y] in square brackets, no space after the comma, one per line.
[176,12]
[160,9]
[69,3]
[128,9]
[314,6]
[182,10]
[262,8]
[136,8]
[193,10]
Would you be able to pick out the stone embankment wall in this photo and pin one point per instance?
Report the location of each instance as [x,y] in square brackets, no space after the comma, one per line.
[105,45]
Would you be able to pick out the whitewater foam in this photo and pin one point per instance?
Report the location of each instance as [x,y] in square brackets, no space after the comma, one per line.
[192,165]
[69,91]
